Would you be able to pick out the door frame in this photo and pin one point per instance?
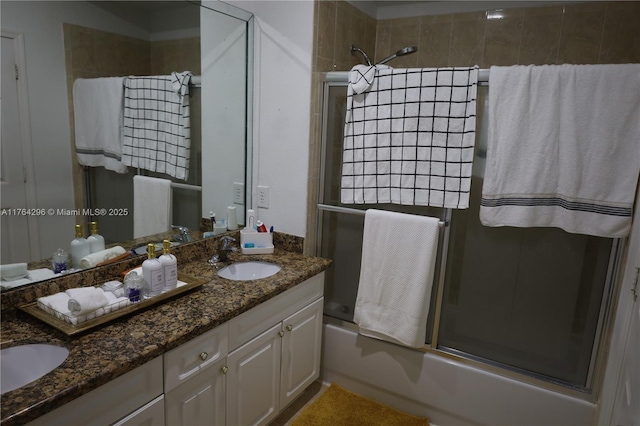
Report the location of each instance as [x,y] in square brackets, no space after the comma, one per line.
[25,134]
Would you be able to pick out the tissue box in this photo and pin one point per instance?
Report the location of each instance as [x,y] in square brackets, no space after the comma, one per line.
[262,242]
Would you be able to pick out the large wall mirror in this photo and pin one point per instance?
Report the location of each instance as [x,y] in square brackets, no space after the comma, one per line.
[53,43]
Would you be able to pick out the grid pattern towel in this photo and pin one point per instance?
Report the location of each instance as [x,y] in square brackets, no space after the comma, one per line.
[409,139]
[563,148]
[157,134]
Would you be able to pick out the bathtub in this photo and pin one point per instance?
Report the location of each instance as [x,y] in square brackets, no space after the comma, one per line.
[446,391]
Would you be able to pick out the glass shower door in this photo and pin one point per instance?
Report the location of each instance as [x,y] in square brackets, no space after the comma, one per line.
[531,300]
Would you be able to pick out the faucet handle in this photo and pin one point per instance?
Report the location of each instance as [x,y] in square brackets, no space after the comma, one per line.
[226,242]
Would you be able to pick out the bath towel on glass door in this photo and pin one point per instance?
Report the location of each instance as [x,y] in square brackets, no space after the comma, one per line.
[409,139]
[157,124]
[563,148]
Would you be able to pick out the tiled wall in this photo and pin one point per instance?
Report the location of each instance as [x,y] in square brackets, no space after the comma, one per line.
[587,33]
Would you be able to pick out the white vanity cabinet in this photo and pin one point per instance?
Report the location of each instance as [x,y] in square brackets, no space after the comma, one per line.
[194,381]
[135,398]
[247,370]
[269,368]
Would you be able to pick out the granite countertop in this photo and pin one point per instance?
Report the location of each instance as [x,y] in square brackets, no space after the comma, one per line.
[101,355]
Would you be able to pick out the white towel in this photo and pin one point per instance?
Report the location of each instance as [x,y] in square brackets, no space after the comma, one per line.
[88,302]
[564,148]
[361,77]
[152,206]
[58,303]
[93,259]
[409,138]
[98,105]
[396,276]
[32,276]
[157,124]
[13,271]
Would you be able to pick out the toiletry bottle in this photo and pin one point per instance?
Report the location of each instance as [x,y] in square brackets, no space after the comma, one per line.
[96,241]
[79,247]
[59,261]
[170,265]
[153,271]
[135,288]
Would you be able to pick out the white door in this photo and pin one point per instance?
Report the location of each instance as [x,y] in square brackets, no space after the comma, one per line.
[14,221]
[253,380]
[301,351]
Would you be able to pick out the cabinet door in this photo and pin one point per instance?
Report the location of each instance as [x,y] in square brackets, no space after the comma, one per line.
[301,351]
[253,380]
[199,400]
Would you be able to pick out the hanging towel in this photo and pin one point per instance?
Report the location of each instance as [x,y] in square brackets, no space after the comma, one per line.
[396,276]
[361,77]
[564,148]
[409,138]
[97,109]
[151,206]
[157,124]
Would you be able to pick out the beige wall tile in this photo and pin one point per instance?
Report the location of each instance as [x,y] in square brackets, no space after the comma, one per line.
[435,42]
[502,41]
[580,37]
[621,36]
[326,34]
[467,41]
[540,39]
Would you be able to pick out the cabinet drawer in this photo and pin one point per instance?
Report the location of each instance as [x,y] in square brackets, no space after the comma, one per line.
[248,325]
[187,360]
[111,401]
[151,414]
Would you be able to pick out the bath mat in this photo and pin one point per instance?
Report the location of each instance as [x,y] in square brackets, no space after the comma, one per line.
[338,406]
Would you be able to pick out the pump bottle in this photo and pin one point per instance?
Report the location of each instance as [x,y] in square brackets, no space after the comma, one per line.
[153,271]
[79,247]
[96,241]
[170,265]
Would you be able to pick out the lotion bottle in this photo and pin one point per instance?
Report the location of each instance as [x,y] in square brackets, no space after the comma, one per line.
[153,271]
[170,265]
[96,241]
[79,247]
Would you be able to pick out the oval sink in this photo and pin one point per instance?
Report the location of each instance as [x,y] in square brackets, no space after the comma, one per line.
[20,365]
[244,271]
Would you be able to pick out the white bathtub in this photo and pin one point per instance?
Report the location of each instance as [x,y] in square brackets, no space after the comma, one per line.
[445,391]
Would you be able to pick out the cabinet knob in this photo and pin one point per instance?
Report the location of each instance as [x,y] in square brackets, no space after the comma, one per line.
[203,355]
[224,369]
[280,333]
[289,327]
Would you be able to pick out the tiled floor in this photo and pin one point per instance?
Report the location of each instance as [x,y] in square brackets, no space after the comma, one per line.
[307,397]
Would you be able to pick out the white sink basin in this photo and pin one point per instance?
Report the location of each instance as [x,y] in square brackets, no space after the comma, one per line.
[21,365]
[244,271]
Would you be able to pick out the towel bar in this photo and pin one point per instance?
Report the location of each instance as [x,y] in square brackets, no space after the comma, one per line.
[330,208]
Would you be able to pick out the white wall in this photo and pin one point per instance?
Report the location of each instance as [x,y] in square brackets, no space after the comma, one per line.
[41,24]
[282,99]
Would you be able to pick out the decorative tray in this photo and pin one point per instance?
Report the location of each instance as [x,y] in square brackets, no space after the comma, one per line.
[185,283]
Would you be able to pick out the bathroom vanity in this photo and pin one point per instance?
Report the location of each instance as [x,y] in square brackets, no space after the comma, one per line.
[230,352]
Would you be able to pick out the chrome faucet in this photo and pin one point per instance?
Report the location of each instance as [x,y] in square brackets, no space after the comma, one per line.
[225,247]
[183,234]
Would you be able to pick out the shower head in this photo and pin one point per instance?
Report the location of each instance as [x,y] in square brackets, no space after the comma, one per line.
[402,52]
[366,57]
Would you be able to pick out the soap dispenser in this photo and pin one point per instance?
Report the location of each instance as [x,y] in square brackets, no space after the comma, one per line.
[79,247]
[153,271]
[96,241]
[170,265]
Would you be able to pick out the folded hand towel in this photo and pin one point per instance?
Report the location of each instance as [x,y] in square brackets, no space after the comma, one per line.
[13,271]
[79,291]
[396,276]
[88,302]
[98,124]
[115,302]
[32,276]
[100,256]
[151,206]
[563,148]
[57,302]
